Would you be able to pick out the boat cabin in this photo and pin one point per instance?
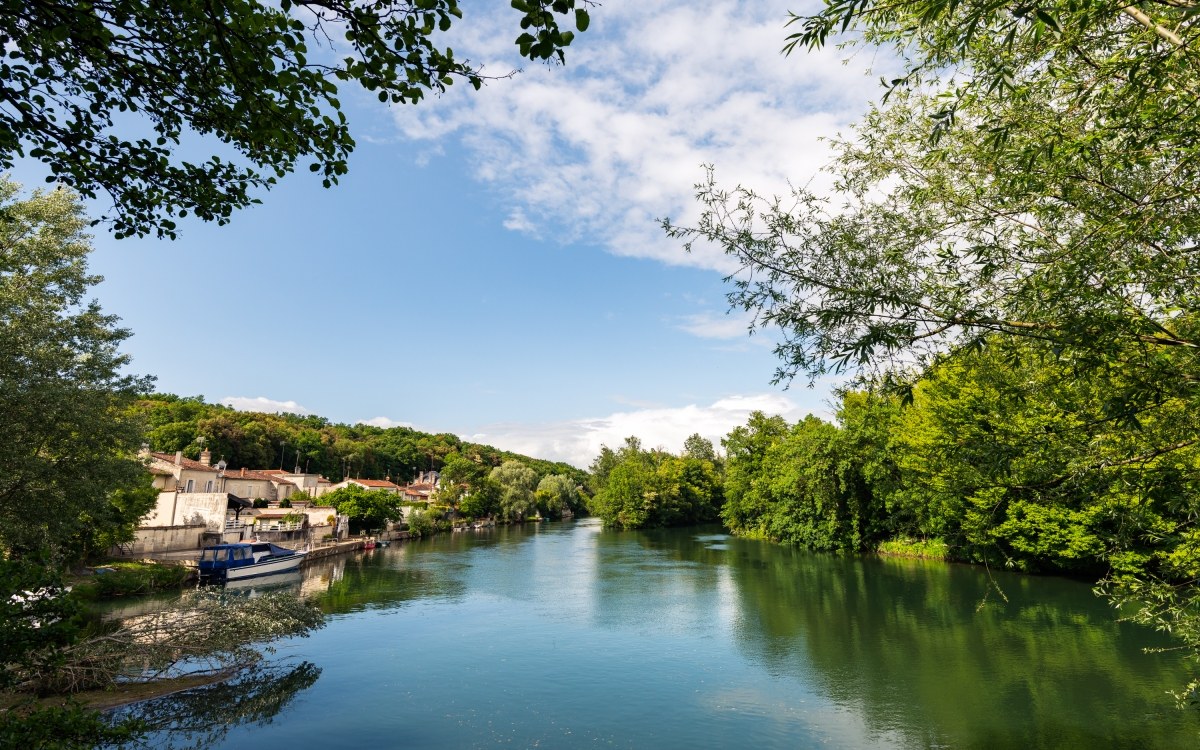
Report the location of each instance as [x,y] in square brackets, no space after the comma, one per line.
[219,560]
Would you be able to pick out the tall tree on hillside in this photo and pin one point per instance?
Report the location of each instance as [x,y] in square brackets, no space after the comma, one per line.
[70,439]
[261,78]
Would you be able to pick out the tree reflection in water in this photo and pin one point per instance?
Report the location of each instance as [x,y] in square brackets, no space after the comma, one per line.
[201,717]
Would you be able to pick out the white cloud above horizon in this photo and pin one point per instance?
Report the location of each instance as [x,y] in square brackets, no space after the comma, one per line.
[706,325]
[578,442]
[385,422]
[263,404]
[601,148]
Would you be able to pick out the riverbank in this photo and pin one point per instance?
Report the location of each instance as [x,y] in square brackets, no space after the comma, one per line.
[125,694]
[173,570]
[129,578]
[924,549]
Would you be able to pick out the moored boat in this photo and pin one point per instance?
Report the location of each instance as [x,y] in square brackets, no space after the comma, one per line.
[230,562]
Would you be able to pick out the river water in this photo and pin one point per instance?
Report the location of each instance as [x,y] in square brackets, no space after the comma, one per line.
[567,635]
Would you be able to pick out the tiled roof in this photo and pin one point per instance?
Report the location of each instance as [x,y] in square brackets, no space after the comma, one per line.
[257,476]
[185,463]
[375,483]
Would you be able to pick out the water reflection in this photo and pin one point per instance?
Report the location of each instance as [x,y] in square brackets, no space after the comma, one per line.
[573,636]
[942,654]
[202,717]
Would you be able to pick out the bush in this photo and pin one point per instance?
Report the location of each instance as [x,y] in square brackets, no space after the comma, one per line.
[421,523]
[125,578]
[285,503]
[260,502]
[928,549]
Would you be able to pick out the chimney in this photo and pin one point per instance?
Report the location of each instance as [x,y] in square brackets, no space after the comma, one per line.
[179,458]
[205,457]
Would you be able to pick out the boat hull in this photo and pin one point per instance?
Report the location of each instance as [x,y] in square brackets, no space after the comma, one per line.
[265,568]
[239,561]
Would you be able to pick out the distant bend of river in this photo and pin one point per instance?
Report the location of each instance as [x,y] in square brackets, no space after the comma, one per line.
[565,635]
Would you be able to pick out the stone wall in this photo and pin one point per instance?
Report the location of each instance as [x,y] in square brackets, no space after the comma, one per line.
[157,539]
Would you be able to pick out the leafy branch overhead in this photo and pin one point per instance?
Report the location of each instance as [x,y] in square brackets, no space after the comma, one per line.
[262,78]
[1032,173]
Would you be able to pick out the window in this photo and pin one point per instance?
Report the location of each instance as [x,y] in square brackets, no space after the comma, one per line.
[208,486]
[191,486]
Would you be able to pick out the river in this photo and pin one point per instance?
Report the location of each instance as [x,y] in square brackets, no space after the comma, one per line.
[567,635]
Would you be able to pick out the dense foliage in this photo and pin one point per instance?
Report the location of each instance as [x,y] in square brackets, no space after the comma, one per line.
[367,509]
[638,488]
[1011,239]
[69,441]
[315,445]
[1003,455]
[261,79]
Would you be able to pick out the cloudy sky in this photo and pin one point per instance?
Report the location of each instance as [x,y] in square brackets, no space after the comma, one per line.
[493,266]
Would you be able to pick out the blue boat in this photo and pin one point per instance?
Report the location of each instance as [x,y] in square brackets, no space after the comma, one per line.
[232,562]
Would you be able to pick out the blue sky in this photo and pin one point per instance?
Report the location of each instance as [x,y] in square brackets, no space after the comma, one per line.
[492,265]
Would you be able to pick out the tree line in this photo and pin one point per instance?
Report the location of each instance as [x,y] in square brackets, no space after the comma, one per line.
[1005,454]
[256,440]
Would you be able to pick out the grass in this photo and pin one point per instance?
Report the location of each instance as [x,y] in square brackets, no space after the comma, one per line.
[928,549]
[127,578]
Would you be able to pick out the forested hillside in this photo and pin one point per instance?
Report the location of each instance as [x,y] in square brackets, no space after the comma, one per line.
[255,440]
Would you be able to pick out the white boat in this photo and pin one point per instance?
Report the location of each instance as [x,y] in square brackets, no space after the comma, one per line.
[232,562]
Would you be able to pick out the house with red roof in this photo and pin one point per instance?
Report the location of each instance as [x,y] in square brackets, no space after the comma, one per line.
[370,484]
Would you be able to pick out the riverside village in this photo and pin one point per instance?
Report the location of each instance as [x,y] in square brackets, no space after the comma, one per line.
[202,504]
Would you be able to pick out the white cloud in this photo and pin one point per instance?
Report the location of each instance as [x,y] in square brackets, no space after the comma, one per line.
[263,404]
[385,422]
[705,325]
[578,442]
[601,148]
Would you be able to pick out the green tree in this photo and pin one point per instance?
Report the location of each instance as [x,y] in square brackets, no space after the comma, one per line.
[366,509]
[262,78]
[70,438]
[555,494]
[745,449]
[116,522]
[516,483]
[700,448]
[1012,461]
[623,501]
[600,468]
[482,500]
[653,489]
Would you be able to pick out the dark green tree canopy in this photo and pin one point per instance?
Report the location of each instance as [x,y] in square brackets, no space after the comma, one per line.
[69,439]
[260,77]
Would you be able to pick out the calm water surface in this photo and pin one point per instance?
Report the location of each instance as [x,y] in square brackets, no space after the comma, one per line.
[565,636]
